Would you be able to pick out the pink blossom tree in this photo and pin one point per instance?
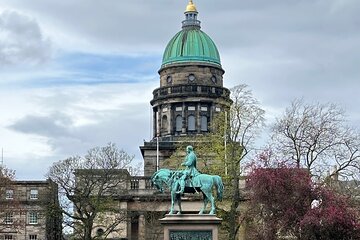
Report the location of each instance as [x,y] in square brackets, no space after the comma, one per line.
[280,200]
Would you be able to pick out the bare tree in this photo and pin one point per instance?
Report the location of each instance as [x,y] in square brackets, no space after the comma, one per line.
[87,188]
[10,207]
[317,137]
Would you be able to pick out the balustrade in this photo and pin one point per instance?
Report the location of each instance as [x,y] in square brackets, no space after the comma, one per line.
[188,89]
[141,183]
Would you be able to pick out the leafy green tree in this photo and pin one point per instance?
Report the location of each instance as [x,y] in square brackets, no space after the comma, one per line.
[87,186]
[223,149]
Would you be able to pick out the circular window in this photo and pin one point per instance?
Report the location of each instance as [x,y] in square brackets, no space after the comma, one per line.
[169,79]
[213,79]
[100,232]
[191,77]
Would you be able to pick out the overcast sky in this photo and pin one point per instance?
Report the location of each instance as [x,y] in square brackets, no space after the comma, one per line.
[80,74]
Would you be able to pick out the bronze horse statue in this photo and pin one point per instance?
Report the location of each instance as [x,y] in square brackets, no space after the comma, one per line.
[200,183]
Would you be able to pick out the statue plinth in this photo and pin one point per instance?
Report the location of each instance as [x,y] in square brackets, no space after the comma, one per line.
[191,226]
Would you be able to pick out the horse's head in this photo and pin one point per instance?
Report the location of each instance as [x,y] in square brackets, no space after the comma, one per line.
[156,182]
[161,177]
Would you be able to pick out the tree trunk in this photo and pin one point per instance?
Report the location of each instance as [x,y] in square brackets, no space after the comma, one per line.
[233,214]
[88,225]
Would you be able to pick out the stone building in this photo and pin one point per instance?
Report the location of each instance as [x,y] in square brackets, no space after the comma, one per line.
[191,91]
[190,95]
[139,207]
[26,211]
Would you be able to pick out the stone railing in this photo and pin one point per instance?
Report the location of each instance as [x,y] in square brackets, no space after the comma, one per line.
[190,22]
[140,185]
[196,90]
[140,182]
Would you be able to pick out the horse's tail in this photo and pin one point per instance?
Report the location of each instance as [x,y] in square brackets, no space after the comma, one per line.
[219,187]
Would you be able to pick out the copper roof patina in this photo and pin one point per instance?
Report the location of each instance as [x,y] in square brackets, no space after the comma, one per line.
[191,44]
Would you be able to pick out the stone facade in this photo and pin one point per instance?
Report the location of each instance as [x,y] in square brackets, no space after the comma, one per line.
[27,214]
[144,206]
[179,73]
[188,99]
[190,95]
[191,91]
[140,206]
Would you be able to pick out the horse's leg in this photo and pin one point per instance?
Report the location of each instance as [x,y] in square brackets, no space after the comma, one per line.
[179,203]
[212,200]
[208,192]
[205,200]
[173,196]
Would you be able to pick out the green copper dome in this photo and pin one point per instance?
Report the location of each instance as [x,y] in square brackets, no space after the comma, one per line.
[191,45]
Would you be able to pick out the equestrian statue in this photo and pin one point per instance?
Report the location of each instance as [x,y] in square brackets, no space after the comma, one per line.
[189,180]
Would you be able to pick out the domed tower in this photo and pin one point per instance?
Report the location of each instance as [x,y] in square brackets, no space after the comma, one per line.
[191,91]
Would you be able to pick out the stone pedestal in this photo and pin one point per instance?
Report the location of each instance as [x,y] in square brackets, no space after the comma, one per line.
[191,227]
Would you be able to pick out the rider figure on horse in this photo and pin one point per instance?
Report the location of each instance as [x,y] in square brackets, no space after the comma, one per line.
[190,171]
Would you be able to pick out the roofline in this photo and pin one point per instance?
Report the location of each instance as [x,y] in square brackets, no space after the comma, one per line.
[190,63]
[31,182]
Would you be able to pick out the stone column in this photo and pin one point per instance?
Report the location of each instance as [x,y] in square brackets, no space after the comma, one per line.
[128,229]
[184,118]
[141,235]
[211,113]
[171,119]
[155,121]
[198,118]
[158,121]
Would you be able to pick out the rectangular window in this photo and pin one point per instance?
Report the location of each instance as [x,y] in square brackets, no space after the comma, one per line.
[32,217]
[9,218]
[191,108]
[32,237]
[203,109]
[34,194]
[178,109]
[9,194]
[8,237]
[217,109]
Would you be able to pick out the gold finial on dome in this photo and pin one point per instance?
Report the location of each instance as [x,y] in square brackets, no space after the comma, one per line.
[191,7]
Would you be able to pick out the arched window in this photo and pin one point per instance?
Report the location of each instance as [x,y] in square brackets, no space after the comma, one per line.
[191,123]
[178,123]
[204,123]
[164,123]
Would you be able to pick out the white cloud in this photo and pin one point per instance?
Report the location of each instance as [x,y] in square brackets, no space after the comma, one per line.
[21,40]
[281,49]
[49,124]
